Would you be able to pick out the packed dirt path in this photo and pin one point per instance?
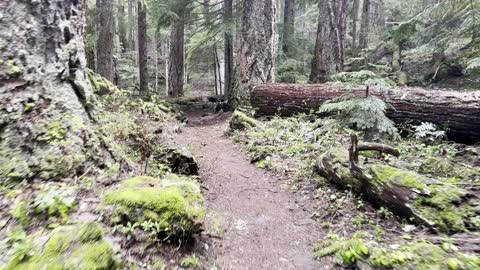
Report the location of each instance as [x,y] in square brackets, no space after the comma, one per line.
[262,225]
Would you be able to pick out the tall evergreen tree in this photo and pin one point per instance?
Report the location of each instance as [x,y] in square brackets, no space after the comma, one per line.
[330,43]
[257,47]
[142,46]
[105,39]
[288,27]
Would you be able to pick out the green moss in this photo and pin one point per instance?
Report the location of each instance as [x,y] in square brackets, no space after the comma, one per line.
[444,167]
[101,86]
[240,121]
[391,175]
[56,132]
[28,107]
[159,265]
[64,249]
[191,262]
[21,211]
[174,202]
[443,207]
[90,232]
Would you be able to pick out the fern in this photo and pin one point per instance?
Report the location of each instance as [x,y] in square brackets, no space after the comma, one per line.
[363,114]
[473,64]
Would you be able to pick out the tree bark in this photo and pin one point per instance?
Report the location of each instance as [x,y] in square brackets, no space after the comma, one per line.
[122,27]
[105,39]
[131,33]
[330,43]
[257,47]
[457,111]
[227,20]
[46,99]
[288,28]
[365,26]
[142,47]
[355,9]
[176,59]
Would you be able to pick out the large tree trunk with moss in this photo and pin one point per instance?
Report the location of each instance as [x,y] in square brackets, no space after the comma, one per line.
[330,44]
[176,59]
[46,100]
[458,112]
[105,39]
[257,48]
[142,47]
[288,28]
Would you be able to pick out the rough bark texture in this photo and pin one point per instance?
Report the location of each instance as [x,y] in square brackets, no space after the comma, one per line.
[228,17]
[105,39]
[459,112]
[257,48]
[45,97]
[131,33]
[288,27]
[365,26]
[142,47]
[355,9]
[330,43]
[176,59]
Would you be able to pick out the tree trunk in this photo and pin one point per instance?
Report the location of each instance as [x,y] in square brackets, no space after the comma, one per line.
[122,27]
[131,33]
[227,20]
[288,28]
[142,47]
[257,47]
[176,59]
[45,97]
[105,39]
[330,43]
[355,9]
[365,26]
[460,112]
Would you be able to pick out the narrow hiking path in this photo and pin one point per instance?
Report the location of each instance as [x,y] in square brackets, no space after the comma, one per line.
[263,224]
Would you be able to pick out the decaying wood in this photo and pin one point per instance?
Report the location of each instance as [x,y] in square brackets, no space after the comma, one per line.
[396,197]
[459,112]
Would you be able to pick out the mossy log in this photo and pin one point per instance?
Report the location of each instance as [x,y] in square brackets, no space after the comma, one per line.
[457,111]
[406,193]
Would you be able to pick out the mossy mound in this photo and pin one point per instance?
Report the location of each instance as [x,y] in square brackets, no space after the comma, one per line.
[101,86]
[444,204]
[366,255]
[173,203]
[67,247]
[240,121]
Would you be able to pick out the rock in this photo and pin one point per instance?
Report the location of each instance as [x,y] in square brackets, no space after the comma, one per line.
[174,203]
[240,121]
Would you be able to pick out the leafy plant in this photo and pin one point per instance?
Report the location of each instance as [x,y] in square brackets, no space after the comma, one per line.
[191,262]
[54,201]
[363,114]
[429,132]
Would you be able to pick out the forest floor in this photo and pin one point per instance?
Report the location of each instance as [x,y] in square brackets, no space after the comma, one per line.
[255,220]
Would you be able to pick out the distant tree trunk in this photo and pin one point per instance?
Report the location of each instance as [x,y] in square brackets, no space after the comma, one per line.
[227,19]
[330,43]
[105,39]
[122,27]
[365,26]
[288,28]
[155,58]
[176,59]
[142,47]
[44,88]
[355,10]
[257,47]
[131,33]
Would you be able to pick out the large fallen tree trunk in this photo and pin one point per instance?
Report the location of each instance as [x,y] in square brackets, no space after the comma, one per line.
[457,111]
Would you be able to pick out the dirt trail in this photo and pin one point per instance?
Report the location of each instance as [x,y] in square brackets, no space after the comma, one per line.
[264,226]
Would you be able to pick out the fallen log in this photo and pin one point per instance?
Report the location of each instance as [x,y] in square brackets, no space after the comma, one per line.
[406,193]
[459,112]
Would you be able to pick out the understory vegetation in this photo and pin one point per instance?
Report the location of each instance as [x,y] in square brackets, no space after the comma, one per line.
[438,177]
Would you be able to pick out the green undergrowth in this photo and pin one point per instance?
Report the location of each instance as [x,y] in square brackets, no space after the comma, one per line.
[169,206]
[67,247]
[363,77]
[439,180]
[365,254]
